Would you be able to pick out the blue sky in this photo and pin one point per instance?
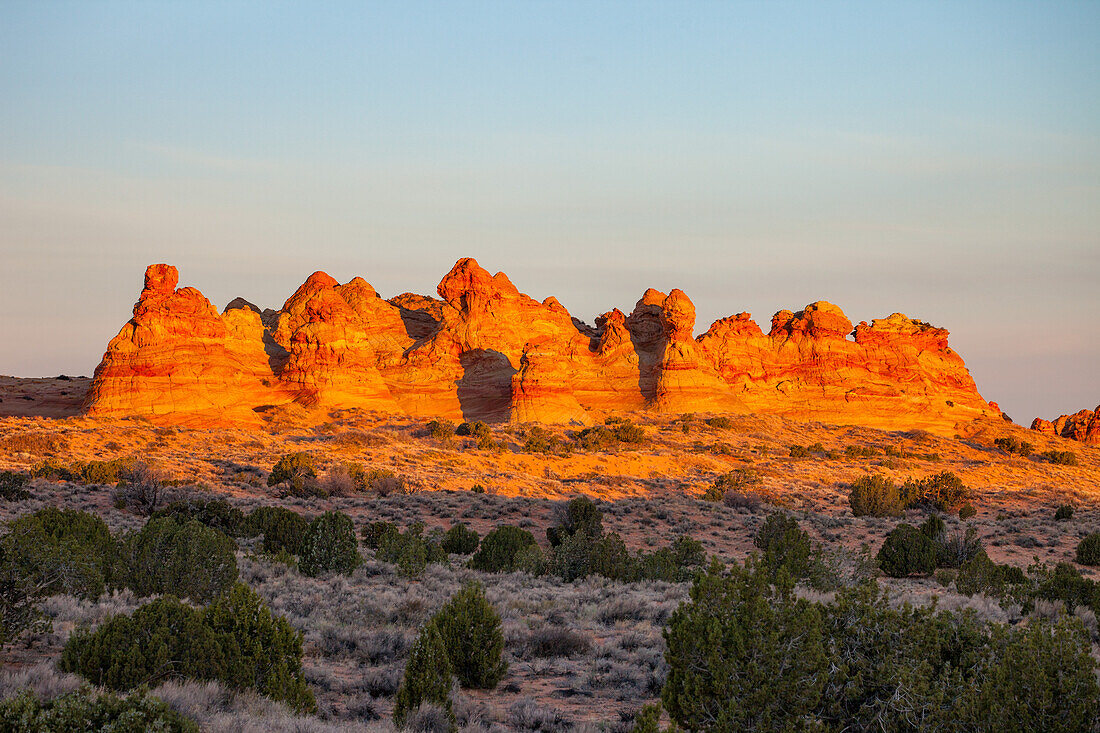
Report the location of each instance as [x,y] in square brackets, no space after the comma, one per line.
[938,159]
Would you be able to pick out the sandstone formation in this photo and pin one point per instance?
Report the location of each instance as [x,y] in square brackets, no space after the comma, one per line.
[484,350]
[1083,426]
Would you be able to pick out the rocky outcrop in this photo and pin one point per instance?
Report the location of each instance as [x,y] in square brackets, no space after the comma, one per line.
[1083,426]
[484,350]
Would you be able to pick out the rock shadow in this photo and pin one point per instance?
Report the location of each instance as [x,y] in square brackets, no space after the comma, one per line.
[485,389]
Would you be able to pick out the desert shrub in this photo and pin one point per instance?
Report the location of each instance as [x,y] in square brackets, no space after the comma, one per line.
[13,486]
[382,481]
[540,440]
[556,641]
[216,513]
[471,632]
[1011,444]
[189,560]
[282,529]
[297,473]
[784,545]
[648,719]
[501,549]
[907,551]
[628,432]
[596,438]
[374,533]
[979,574]
[768,668]
[427,679]
[460,540]
[577,515]
[1088,550]
[161,639]
[61,550]
[262,651]
[235,640]
[943,491]
[1059,457]
[441,429]
[329,545]
[955,549]
[746,655]
[1065,583]
[875,496]
[676,563]
[582,554]
[1064,513]
[88,710]
[860,451]
[410,550]
[140,489]
[21,596]
[104,472]
[799,451]
[967,511]
[476,429]
[741,482]
[721,422]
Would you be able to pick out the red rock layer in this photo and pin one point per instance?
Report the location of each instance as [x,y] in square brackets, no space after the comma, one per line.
[1083,426]
[484,350]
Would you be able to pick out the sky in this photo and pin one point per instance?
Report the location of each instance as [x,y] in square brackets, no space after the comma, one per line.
[941,159]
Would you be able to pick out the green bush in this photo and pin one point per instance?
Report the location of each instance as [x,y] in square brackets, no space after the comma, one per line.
[875,496]
[61,550]
[979,574]
[297,472]
[476,429]
[427,678]
[967,511]
[329,545]
[190,560]
[578,515]
[1060,457]
[262,651]
[907,551]
[1064,513]
[411,551]
[740,481]
[541,440]
[785,546]
[799,451]
[743,655]
[721,422]
[88,710]
[582,554]
[471,632]
[281,528]
[746,655]
[460,540]
[943,491]
[235,640]
[501,549]
[13,486]
[1088,550]
[105,472]
[374,533]
[216,513]
[441,429]
[1065,583]
[596,438]
[1013,445]
[676,563]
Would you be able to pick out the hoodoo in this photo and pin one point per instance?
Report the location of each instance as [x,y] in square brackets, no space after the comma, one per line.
[486,351]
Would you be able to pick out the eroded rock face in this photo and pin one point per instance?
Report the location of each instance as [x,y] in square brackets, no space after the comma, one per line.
[484,350]
[1083,426]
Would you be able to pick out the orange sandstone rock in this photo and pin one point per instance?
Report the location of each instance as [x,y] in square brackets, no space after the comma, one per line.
[484,350]
[1083,426]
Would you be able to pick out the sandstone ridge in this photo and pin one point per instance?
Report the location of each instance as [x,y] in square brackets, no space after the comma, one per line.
[484,350]
[1083,426]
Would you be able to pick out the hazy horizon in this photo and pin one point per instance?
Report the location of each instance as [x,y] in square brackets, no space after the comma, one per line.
[937,160]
